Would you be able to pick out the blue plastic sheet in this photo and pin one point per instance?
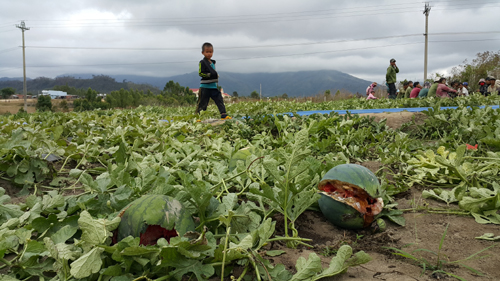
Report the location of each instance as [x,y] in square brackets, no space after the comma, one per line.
[374,111]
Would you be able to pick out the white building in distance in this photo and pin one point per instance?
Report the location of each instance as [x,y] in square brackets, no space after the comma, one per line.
[54,94]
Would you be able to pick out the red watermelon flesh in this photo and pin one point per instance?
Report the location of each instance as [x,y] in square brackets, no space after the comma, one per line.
[155,232]
[355,197]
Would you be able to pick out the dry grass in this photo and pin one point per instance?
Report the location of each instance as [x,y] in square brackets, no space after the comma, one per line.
[13,105]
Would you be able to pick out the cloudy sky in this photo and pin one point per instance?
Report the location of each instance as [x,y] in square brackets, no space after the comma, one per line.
[163,38]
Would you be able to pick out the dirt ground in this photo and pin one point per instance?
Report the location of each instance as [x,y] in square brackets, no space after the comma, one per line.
[422,231]
[396,119]
[13,105]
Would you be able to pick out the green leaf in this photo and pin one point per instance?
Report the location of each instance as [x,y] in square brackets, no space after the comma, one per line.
[139,251]
[114,270]
[306,269]
[75,173]
[275,253]
[87,264]
[63,234]
[93,231]
[489,236]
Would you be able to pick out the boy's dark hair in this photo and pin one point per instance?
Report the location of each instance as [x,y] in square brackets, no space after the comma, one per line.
[409,82]
[206,45]
[406,84]
[416,84]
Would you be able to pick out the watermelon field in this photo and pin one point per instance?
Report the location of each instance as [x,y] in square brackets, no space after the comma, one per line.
[239,200]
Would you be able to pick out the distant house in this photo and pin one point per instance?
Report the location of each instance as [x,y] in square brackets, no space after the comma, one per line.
[18,96]
[195,91]
[54,94]
[226,96]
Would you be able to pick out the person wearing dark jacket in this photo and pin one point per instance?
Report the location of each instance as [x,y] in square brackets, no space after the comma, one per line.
[208,84]
[483,88]
[390,78]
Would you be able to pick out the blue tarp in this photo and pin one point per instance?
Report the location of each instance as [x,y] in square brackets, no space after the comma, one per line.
[371,111]
[378,110]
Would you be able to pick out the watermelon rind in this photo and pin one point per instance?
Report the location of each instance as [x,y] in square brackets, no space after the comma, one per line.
[356,175]
[161,210]
[345,212]
[340,214]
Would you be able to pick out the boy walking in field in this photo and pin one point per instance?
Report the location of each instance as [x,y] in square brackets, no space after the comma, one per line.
[208,84]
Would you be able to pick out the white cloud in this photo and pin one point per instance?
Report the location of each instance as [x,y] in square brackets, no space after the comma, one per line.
[187,24]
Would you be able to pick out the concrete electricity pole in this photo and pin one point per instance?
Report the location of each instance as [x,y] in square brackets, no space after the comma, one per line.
[23,27]
[260,92]
[427,11]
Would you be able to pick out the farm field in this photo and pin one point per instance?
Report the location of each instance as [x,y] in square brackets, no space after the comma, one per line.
[249,190]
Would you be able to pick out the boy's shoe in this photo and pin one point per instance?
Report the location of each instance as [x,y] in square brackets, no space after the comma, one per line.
[226,118]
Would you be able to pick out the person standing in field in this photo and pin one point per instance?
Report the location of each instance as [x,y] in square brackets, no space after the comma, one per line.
[409,89]
[208,84]
[390,77]
[423,93]
[416,90]
[371,88]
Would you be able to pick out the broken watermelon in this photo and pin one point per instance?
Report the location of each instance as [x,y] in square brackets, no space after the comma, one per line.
[152,217]
[349,196]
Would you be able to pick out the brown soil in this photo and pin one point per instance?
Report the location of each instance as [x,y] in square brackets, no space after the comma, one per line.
[12,191]
[396,120]
[422,231]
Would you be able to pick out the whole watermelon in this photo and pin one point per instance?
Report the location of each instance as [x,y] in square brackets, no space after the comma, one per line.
[349,196]
[152,217]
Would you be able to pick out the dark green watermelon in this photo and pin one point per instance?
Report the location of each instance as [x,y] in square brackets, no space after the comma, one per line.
[349,196]
[152,217]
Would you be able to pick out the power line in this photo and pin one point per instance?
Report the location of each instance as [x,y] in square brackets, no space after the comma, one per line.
[224,48]
[255,57]
[8,50]
[239,16]
[256,46]
[231,59]
[315,12]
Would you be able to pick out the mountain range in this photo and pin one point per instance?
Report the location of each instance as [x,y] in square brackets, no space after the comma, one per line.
[294,84]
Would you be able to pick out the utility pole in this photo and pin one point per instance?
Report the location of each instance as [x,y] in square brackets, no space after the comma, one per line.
[427,11]
[23,27]
[260,92]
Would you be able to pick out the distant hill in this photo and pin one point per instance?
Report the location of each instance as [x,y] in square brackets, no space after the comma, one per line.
[294,84]
[100,83]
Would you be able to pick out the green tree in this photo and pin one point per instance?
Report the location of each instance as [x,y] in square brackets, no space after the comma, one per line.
[328,93]
[478,68]
[254,95]
[337,93]
[235,94]
[63,105]
[284,96]
[44,103]
[175,94]
[7,92]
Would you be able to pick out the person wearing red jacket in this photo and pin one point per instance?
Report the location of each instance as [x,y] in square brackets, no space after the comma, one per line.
[442,90]
[416,90]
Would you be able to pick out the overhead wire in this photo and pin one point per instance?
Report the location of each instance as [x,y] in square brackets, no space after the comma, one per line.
[258,46]
[225,48]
